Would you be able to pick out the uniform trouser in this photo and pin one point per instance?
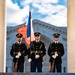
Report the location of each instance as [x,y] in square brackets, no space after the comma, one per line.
[20,67]
[36,65]
[57,67]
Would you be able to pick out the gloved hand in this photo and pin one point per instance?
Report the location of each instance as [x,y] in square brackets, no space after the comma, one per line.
[29,60]
[17,56]
[19,53]
[54,56]
[37,56]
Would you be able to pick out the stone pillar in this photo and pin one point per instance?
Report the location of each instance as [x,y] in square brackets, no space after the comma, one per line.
[71,36]
[2,36]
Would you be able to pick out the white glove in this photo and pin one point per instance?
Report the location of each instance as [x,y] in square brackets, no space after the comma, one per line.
[54,56]
[17,56]
[19,53]
[29,60]
[37,56]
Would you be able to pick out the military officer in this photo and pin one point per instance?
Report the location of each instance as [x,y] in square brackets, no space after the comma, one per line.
[18,51]
[36,53]
[56,51]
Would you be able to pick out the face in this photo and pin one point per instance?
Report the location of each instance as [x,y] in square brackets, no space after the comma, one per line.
[56,39]
[37,37]
[19,39]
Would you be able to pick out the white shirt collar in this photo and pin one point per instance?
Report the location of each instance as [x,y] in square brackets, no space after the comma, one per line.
[56,41]
[19,42]
[37,40]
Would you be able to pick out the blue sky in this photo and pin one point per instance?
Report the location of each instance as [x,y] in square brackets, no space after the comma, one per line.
[50,11]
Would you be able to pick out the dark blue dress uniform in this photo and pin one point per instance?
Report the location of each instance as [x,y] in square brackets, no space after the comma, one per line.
[56,47]
[16,47]
[37,48]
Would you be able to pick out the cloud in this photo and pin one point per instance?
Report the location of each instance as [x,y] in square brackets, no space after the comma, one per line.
[48,10]
[45,8]
[56,20]
[49,1]
[15,15]
[38,1]
[55,14]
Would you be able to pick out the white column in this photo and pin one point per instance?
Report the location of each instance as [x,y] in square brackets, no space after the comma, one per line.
[71,36]
[2,35]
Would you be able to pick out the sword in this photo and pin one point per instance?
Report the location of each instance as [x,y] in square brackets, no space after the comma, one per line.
[52,66]
[16,65]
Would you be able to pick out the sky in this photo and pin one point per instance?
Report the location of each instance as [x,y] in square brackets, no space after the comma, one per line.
[50,11]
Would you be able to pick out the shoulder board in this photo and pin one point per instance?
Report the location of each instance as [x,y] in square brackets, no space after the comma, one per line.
[41,41]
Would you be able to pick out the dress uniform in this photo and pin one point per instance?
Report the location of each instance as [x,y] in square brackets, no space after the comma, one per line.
[18,51]
[36,53]
[56,51]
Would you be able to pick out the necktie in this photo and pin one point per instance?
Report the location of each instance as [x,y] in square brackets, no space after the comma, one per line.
[55,42]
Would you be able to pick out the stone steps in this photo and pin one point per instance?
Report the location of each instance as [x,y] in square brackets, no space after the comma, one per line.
[43,73]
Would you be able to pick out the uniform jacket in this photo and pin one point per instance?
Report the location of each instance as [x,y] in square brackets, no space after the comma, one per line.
[40,48]
[15,49]
[53,47]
